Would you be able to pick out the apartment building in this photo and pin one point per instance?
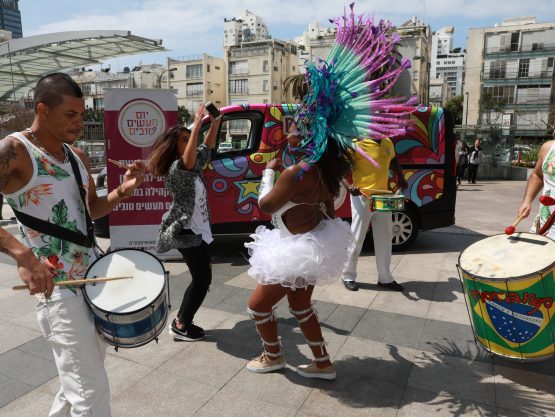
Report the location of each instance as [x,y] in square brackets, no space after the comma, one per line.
[415,45]
[198,79]
[257,70]
[440,91]
[248,27]
[315,43]
[510,76]
[447,62]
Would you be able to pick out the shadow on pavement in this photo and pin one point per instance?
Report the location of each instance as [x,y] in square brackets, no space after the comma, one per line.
[365,382]
[442,291]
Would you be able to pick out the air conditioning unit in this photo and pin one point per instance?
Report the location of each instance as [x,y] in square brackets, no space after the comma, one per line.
[275,68]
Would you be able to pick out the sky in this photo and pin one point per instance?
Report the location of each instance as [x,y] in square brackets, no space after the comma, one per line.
[192,27]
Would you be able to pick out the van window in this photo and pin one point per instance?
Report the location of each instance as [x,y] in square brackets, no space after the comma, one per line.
[238,133]
[234,135]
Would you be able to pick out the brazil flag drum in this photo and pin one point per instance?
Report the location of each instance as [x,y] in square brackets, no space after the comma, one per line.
[509,289]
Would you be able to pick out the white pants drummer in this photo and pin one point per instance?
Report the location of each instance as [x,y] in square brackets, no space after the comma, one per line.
[382,232]
[79,355]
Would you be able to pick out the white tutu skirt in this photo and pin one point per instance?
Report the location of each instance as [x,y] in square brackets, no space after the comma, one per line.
[297,261]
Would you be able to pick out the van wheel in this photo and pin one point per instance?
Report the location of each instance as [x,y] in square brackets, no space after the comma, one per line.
[405,229]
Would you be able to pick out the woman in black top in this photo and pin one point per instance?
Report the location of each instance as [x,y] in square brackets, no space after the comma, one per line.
[462,160]
[186,225]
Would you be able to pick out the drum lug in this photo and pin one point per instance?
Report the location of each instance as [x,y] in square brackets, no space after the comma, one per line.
[156,340]
[116,348]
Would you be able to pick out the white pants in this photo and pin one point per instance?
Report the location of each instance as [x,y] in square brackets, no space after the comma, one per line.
[79,355]
[382,232]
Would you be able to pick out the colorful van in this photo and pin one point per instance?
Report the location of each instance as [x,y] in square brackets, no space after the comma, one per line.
[251,135]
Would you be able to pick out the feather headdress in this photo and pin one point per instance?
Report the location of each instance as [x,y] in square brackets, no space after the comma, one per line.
[345,98]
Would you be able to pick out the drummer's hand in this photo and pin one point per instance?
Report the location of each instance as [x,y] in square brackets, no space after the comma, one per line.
[524,210]
[36,275]
[274,164]
[133,177]
[354,190]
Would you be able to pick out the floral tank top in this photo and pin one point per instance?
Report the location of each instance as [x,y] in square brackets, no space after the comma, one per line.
[548,169]
[52,195]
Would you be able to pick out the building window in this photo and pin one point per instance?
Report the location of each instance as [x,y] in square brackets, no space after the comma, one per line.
[265,85]
[523,68]
[194,89]
[207,67]
[238,67]
[238,86]
[194,71]
[514,41]
[497,69]
[501,94]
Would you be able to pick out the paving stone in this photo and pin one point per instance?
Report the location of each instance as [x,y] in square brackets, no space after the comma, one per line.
[282,384]
[14,335]
[419,403]
[397,303]
[38,347]
[460,378]
[32,404]
[518,389]
[27,368]
[162,394]
[229,403]
[375,360]
[11,389]
[354,395]
[209,363]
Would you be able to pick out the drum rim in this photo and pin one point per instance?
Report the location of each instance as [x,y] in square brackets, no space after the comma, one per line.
[88,300]
[517,278]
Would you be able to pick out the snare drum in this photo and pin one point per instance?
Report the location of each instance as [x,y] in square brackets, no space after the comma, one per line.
[128,312]
[388,202]
[509,289]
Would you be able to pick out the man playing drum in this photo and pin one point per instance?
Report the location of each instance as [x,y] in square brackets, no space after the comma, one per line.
[367,180]
[47,181]
[543,176]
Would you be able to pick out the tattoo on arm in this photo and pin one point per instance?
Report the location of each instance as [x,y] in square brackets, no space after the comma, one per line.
[7,154]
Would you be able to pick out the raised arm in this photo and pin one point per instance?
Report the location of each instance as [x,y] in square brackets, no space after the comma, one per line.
[189,156]
[210,139]
[101,206]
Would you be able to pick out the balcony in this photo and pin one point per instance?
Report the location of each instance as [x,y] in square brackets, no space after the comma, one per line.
[541,79]
[498,53]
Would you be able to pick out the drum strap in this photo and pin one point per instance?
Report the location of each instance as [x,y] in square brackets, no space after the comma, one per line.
[547,225]
[59,232]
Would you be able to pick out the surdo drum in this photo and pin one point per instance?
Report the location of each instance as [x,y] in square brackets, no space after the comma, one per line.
[128,312]
[509,288]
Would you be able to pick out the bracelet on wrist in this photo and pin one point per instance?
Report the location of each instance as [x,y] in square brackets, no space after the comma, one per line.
[121,194]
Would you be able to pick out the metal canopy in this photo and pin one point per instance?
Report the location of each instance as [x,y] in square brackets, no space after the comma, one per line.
[23,61]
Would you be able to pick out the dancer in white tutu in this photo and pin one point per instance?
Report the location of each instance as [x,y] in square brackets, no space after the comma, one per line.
[342,100]
[308,247]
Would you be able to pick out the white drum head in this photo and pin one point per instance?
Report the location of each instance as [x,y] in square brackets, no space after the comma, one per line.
[125,295]
[508,256]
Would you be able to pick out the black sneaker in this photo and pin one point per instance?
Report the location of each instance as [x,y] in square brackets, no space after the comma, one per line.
[393,286]
[351,285]
[189,332]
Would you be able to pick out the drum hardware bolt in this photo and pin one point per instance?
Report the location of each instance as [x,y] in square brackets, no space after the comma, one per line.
[116,348]
[156,340]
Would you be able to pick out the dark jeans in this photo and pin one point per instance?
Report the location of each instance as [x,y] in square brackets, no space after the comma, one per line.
[472,171]
[198,260]
[461,172]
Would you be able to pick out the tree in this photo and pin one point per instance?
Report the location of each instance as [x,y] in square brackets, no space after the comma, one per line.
[455,105]
[488,106]
[14,117]
[183,116]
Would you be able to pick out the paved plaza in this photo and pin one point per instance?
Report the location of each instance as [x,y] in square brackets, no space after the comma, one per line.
[396,354]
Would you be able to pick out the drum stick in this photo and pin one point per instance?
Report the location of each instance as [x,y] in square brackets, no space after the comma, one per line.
[118,164]
[511,229]
[75,282]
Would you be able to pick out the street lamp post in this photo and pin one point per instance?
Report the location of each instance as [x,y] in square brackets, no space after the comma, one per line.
[466,110]
[162,73]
